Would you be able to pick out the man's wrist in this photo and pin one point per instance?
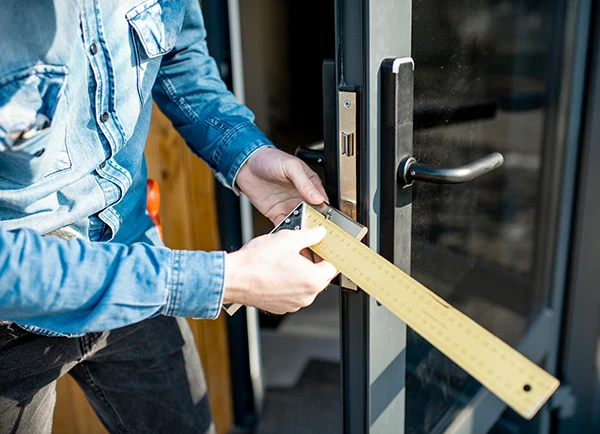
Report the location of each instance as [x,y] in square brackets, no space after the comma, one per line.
[244,166]
[234,285]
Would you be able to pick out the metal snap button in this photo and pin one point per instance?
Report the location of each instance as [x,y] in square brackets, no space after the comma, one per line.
[104,117]
[93,48]
[40,152]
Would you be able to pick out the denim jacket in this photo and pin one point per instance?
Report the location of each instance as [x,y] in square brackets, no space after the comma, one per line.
[77,81]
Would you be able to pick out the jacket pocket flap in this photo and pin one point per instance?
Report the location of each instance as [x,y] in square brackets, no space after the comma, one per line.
[157,24]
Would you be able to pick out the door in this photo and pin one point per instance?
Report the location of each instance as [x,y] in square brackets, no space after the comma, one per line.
[446,83]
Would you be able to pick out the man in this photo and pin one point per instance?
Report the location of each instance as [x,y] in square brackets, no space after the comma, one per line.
[77,80]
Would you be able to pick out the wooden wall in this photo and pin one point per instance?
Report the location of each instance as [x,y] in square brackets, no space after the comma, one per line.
[189,222]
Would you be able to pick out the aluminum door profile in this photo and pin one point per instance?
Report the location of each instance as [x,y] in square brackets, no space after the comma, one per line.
[581,323]
[373,339]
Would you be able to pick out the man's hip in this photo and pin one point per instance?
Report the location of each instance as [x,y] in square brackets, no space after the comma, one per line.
[142,378]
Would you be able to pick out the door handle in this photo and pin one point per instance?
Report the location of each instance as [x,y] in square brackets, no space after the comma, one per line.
[311,155]
[409,170]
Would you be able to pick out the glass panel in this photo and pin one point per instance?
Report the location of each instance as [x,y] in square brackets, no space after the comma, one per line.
[480,82]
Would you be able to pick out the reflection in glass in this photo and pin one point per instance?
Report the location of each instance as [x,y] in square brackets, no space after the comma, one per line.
[480,81]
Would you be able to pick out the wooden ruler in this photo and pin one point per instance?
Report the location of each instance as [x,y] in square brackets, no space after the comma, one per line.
[520,383]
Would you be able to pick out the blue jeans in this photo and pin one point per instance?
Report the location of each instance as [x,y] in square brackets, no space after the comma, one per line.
[143,378]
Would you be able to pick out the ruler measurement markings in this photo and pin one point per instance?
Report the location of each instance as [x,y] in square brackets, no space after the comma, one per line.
[487,359]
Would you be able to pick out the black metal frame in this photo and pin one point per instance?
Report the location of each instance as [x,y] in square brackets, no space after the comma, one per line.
[582,321]
[372,338]
[562,146]
[354,307]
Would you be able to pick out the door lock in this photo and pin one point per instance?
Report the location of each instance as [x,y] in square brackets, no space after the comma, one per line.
[348,144]
[347,152]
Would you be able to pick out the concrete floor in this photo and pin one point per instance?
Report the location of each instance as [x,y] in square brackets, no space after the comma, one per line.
[310,334]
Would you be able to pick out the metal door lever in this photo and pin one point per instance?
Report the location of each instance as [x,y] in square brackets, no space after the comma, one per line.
[313,155]
[409,170]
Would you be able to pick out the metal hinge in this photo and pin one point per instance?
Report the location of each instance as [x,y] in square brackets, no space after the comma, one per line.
[564,401]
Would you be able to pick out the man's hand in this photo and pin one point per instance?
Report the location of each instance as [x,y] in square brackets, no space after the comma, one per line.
[275,182]
[270,273]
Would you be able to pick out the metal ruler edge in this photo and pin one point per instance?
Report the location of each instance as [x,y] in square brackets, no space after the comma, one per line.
[517,381]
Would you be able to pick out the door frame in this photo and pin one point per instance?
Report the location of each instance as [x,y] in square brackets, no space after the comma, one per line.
[581,325]
[373,342]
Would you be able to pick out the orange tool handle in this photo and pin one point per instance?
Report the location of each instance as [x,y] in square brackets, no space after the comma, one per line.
[153,204]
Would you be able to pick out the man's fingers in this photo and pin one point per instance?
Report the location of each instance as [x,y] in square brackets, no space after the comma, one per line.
[316,182]
[303,238]
[328,270]
[297,173]
[277,219]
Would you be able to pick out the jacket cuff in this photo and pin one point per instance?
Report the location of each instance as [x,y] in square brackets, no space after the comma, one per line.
[236,151]
[195,286]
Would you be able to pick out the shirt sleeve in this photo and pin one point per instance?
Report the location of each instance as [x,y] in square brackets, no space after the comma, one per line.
[189,90]
[73,287]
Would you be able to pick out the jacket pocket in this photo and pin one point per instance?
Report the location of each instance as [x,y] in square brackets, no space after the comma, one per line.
[155,26]
[33,124]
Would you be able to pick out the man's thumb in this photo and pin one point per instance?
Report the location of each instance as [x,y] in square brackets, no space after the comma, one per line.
[304,184]
[310,237]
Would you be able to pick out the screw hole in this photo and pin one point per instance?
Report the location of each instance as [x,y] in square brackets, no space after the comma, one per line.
[527,388]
